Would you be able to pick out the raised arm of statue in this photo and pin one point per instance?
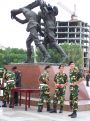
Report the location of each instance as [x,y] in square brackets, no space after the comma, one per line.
[35,4]
[43,8]
[15,12]
[20,20]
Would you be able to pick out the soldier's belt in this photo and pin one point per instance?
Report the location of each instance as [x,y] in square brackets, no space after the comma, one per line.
[43,85]
[40,103]
[9,81]
[47,93]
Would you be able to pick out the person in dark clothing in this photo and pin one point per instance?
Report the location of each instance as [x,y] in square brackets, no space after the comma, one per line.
[87,78]
[17,82]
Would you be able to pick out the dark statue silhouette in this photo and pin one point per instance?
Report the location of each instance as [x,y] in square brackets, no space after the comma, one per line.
[48,14]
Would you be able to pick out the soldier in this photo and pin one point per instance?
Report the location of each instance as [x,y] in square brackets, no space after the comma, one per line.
[17,82]
[2,78]
[61,81]
[32,27]
[75,80]
[44,90]
[2,74]
[9,83]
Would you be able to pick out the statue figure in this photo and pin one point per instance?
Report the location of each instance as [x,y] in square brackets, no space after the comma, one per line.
[32,27]
[48,14]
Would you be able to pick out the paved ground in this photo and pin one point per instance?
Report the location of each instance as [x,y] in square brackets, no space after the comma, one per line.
[19,114]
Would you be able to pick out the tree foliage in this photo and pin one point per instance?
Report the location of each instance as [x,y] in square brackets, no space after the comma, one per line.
[12,55]
[74,52]
[15,55]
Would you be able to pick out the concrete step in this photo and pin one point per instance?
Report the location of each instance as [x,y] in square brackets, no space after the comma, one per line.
[83,105]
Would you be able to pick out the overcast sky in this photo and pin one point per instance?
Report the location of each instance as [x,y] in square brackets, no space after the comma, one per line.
[13,34]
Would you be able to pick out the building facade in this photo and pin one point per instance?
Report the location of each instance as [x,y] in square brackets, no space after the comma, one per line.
[75,31]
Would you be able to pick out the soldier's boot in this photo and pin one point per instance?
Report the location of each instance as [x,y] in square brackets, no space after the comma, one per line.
[61,109]
[48,107]
[45,52]
[54,110]
[60,50]
[40,108]
[10,104]
[74,115]
[4,104]
[70,114]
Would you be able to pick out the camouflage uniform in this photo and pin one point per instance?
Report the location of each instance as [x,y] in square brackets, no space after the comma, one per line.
[44,91]
[59,92]
[9,83]
[74,77]
[1,75]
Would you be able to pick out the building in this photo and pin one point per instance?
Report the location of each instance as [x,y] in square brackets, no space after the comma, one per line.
[75,31]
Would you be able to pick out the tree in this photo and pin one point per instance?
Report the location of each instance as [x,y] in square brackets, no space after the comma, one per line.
[15,55]
[12,55]
[74,52]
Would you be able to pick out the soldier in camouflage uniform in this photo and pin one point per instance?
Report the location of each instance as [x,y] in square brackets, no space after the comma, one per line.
[2,78]
[44,90]
[2,71]
[9,83]
[75,79]
[61,81]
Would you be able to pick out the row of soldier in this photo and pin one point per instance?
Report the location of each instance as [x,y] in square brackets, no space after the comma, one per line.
[61,80]
[8,80]
[11,79]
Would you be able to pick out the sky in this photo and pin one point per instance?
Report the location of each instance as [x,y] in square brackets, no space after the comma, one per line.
[14,35]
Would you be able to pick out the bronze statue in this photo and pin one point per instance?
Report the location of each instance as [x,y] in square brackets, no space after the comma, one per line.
[32,27]
[48,14]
